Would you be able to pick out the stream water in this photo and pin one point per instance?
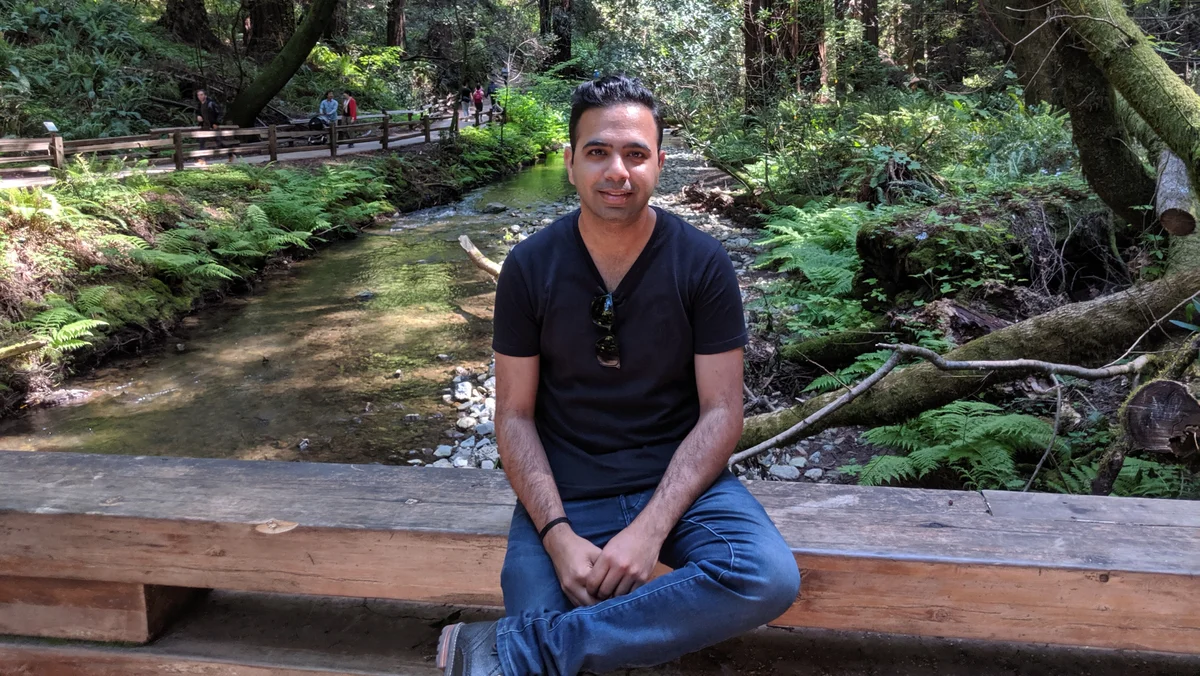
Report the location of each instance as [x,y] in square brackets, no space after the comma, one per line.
[334,359]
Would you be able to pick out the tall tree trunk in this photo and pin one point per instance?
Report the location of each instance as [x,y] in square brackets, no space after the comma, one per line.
[826,50]
[754,54]
[544,14]
[338,28]
[1106,155]
[870,19]
[563,26]
[1128,60]
[188,21]
[395,23]
[1031,46]
[272,23]
[250,101]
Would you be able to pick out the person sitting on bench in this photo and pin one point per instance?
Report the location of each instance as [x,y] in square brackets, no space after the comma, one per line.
[618,337]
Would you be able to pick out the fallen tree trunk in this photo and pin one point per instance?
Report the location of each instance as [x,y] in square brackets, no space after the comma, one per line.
[10,351]
[1089,333]
[482,262]
[837,349]
[1174,202]
[1130,63]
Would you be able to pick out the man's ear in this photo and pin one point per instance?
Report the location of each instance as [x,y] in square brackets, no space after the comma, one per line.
[568,159]
[662,158]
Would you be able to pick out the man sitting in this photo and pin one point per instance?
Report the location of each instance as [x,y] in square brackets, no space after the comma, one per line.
[618,339]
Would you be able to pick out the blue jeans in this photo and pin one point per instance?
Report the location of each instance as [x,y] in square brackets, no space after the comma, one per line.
[732,572]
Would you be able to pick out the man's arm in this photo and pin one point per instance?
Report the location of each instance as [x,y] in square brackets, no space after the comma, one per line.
[628,559]
[528,470]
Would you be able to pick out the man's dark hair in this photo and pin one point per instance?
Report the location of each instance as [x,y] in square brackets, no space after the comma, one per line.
[612,90]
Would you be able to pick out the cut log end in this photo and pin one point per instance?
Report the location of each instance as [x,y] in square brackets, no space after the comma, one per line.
[1163,416]
[1178,222]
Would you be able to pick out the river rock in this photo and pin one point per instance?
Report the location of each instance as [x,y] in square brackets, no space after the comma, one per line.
[416,461]
[442,463]
[490,383]
[412,417]
[487,464]
[469,442]
[815,457]
[486,428]
[814,474]
[364,295]
[444,451]
[798,461]
[785,472]
[461,460]
[443,357]
[493,208]
[462,390]
[466,422]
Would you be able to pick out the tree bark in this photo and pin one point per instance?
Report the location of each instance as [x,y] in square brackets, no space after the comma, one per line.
[1128,60]
[755,55]
[1106,155]
[250,101]
[1031,46]
[1174,201]
[272,23]
[188,21]
[1090,333]
[562,24]
[395,23]
[338,28]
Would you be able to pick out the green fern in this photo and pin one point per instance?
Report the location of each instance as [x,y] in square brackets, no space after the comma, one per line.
[61,327]
[975,439]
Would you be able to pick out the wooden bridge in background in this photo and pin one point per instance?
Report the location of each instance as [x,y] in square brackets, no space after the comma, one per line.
[114,548]
[29,162]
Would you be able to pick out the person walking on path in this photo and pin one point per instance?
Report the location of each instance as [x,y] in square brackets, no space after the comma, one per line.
[618,333]
[465,96]
[329,108]
[491,92]
[477,97]
[350,108]
[208,115]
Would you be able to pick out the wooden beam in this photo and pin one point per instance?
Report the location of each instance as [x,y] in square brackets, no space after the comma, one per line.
[932,563]
[88,610]
[273,143]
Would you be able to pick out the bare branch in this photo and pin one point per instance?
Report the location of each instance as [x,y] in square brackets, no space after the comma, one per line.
[482,262]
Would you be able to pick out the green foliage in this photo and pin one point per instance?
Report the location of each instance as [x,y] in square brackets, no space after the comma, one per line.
[816,245]
[978,441]
[63,328]
[1138,478]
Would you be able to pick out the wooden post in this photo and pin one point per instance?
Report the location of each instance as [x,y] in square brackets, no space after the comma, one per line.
[425,122]
[178,136]
[387,130]
[272,143]
[333,139]
[57,158]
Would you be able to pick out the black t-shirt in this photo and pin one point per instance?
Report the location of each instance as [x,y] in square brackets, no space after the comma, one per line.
[611,431]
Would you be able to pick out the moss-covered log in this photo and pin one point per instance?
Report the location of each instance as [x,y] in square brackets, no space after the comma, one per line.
[837,349]
[249,103]
[1129,62]
[1174,201]
[1088,334]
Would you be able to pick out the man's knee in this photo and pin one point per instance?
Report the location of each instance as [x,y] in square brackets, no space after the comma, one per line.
[769,581]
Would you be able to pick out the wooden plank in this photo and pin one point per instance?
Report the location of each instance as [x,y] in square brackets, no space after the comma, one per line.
[23,159]
[333,132]
[12,145]
[57,155]
[177,139]
[224,133]
[109,141]
[300,134]
[1093,509]
[1103,610]
[82,148]
[273,143]
[88,610]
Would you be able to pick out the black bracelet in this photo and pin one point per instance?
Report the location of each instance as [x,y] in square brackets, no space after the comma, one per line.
[552,524]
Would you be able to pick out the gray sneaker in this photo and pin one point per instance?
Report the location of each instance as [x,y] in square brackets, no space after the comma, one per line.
[469,650]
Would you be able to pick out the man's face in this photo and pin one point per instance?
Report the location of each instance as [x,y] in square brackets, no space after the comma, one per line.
[329,96]
[616,161]
[200,96]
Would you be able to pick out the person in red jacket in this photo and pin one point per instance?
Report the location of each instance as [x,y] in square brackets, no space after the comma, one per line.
[349,108]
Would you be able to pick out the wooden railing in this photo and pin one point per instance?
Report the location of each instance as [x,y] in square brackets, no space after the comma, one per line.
[177,145]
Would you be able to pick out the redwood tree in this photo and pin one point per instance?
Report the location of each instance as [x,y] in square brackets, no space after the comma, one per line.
[272,23]
[188,21]
[395,23]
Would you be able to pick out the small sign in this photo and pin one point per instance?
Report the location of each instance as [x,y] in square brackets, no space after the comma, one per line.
[50,126]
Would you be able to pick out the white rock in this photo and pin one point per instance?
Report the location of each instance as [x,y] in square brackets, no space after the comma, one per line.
[485,428]
[462,461]
[462,390]
[444,451]
[442,463]
[416,461]
[815,457]
[799,461]
[814,474]
[785,472]
[487,464]
[465,423]
[490,383]
[467,443]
